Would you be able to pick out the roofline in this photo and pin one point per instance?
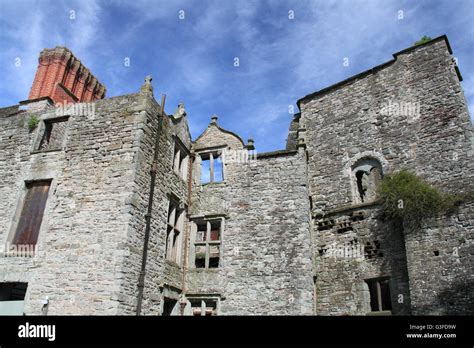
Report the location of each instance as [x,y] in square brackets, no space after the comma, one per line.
[222,130]
[276,153]
[379,67]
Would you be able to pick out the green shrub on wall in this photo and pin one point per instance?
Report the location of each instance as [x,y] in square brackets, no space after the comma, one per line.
[422,40]
[408,199]
[33,122]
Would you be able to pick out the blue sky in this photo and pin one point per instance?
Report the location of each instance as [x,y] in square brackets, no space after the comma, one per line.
[192,59]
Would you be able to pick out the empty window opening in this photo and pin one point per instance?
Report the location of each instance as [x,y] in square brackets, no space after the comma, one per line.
[180,160]
[367,174]
[174,232]
[211,167]
[207,244]
[168,306]
[361,184]
[53,136]
[380,298]
[436,252]
[203,307]
[218,171]
[32,213]
[12,297]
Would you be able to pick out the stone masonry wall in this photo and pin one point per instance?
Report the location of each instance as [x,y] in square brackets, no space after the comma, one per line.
[441,260]
[352,246]
[354,121]
[347,122]
[266,257]
[86,216]
[159,271]
[286,215]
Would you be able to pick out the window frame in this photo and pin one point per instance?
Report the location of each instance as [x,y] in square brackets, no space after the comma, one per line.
[207,242]
[180,164]
[173,241]
[360,167]
[378,292]
[8,306]
[204,301]
[13,235]
[42,130]
[213,154]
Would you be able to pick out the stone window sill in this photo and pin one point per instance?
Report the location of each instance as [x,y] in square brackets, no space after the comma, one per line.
[213,183]
[198,270]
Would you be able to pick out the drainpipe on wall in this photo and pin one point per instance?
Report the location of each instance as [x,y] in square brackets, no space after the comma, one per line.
[187,234]
[154,165]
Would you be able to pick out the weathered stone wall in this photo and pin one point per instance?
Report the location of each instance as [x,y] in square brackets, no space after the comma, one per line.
[215,136]
[351,246]
[91,240]
[441,263]
[266,258]
[85,221]
[275,258]
[349,120]
[357,119]
[159,271]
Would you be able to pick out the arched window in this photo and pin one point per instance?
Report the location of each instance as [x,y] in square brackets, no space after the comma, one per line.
[366,174]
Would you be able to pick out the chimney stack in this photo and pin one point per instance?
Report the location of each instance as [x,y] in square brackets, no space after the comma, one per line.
[63,78]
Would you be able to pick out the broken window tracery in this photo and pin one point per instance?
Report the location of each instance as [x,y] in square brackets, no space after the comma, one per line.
[180,160]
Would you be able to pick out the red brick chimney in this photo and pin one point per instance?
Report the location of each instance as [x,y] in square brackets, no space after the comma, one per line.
[62,77]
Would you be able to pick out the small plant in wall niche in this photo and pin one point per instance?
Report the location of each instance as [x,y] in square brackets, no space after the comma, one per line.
[408,199]
[422,40]
[33,122]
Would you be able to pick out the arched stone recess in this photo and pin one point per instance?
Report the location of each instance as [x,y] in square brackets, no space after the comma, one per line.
[365,170]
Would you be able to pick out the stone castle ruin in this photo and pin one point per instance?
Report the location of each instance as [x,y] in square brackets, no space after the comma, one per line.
[228,230]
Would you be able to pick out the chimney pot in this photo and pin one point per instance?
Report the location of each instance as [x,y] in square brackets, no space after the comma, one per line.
[62,77]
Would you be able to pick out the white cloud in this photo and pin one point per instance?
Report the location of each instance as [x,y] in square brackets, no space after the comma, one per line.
[31,27]
[281,59]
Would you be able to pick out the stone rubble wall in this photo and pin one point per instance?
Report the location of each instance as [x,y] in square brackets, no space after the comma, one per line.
[441,259]
[353,121]
[85,223]
[266,265]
